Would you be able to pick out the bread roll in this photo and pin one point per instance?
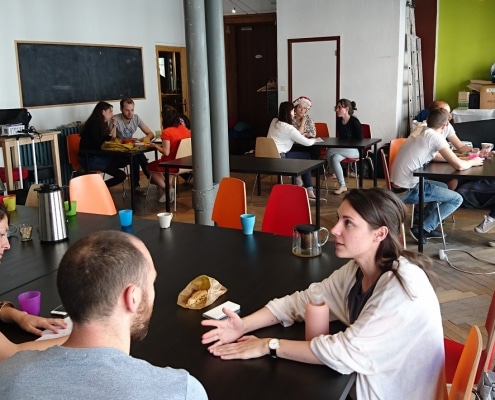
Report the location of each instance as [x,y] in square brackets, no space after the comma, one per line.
[197,297]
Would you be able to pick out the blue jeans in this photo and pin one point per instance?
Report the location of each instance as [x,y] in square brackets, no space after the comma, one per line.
[447,199]
[334,158]
[306,177]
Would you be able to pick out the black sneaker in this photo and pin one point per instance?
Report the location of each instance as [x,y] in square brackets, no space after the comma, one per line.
[140,191]
[433,234]
[415,234]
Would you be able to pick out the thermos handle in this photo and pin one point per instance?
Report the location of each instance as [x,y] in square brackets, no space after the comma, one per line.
[67,196]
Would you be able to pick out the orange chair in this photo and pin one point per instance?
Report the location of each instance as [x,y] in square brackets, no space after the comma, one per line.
[73,141]
[92,195]
[366,129]
[230,203]
[323,131]
[389,187]
[465,373]
[453,349]
[287,206]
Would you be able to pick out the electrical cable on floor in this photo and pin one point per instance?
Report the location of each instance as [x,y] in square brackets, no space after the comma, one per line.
[443,256]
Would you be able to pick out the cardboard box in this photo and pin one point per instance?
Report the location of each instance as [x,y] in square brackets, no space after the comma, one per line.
[487,97]
[486,90]
[463,101]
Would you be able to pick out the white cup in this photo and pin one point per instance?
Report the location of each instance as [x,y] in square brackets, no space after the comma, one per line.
[486,148]
[164,219]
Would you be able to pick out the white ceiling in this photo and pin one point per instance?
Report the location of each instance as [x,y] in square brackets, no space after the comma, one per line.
[249,6]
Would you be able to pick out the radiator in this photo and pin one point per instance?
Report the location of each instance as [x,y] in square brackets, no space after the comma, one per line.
[44,155]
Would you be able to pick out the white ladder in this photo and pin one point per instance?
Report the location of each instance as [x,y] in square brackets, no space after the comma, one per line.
[414,63]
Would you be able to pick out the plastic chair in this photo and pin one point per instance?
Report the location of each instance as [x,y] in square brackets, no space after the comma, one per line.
[32,196]
[395,145]
[322,131]
[265,147]
[453,349]
[366,129]
[230,203]
[92,195]
[465,373]
[287,206]
[184,150]
[73,141]
[389,187]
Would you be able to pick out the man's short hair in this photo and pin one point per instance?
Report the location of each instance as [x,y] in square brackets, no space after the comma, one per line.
[125,100]
[94,271]
[437,117]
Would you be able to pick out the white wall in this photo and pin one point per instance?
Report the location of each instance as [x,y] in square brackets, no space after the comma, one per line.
[129,23]
[371,59]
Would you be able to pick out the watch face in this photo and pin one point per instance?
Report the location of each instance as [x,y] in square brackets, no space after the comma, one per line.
[274,344]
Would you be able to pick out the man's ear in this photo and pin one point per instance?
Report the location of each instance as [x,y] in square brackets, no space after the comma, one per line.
[132,296]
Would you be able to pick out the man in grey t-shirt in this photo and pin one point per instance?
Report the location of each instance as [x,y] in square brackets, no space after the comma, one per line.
[127,125]
[106,284]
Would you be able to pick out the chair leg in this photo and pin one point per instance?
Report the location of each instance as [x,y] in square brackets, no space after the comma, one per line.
[412,216]
[403,234]
[441,226]
[254,187]
[356,169]
[175,193]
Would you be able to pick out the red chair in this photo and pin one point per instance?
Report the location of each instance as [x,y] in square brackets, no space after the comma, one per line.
[453,349]
[366,135]
[287,206]
[15,174]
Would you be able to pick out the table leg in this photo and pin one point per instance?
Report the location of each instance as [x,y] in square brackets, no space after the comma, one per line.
[318,197]
[133,184]
[361,166]
[375,163]
[421,212]
[7,161]
[167,189]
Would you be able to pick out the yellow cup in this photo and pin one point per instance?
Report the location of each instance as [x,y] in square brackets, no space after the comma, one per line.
[10,202]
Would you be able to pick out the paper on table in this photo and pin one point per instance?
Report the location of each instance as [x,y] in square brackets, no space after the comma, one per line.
[47,334]
[318,140]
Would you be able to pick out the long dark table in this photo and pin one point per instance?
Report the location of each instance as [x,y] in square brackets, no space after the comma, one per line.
[442,170]
[26,261]
[254,269]
[256,165]
[361,145]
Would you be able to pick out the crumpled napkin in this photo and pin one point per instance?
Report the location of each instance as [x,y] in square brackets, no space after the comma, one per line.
[200,293]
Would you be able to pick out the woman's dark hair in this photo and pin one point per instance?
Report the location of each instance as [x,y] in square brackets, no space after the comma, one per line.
[349,104]
[97,115]
[3,212]
[284,112]
[170,117]
[381,207]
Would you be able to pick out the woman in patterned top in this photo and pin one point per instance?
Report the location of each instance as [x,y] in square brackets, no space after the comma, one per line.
[304,124]
[348,127]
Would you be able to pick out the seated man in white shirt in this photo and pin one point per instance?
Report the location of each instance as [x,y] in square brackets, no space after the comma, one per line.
[127,125]
[419,149]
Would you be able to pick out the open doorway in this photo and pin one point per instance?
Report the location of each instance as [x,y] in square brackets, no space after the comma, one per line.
[172,78]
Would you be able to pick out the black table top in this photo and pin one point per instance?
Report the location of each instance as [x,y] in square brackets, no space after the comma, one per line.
[444,170]
[26,261]
[254,269]
[344,143]
[257,165]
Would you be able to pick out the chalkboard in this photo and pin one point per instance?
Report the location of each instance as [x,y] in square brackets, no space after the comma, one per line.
[56,74]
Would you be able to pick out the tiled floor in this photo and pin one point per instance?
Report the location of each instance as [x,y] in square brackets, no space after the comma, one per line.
[464,297]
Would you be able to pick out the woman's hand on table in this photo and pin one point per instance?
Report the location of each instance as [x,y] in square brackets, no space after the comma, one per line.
[227,330]
[34,324]
[246,347]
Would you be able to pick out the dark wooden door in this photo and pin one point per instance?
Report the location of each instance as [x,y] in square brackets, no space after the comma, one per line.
[256,59]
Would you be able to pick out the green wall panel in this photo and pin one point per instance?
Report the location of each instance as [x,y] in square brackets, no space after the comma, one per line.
[465,47]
